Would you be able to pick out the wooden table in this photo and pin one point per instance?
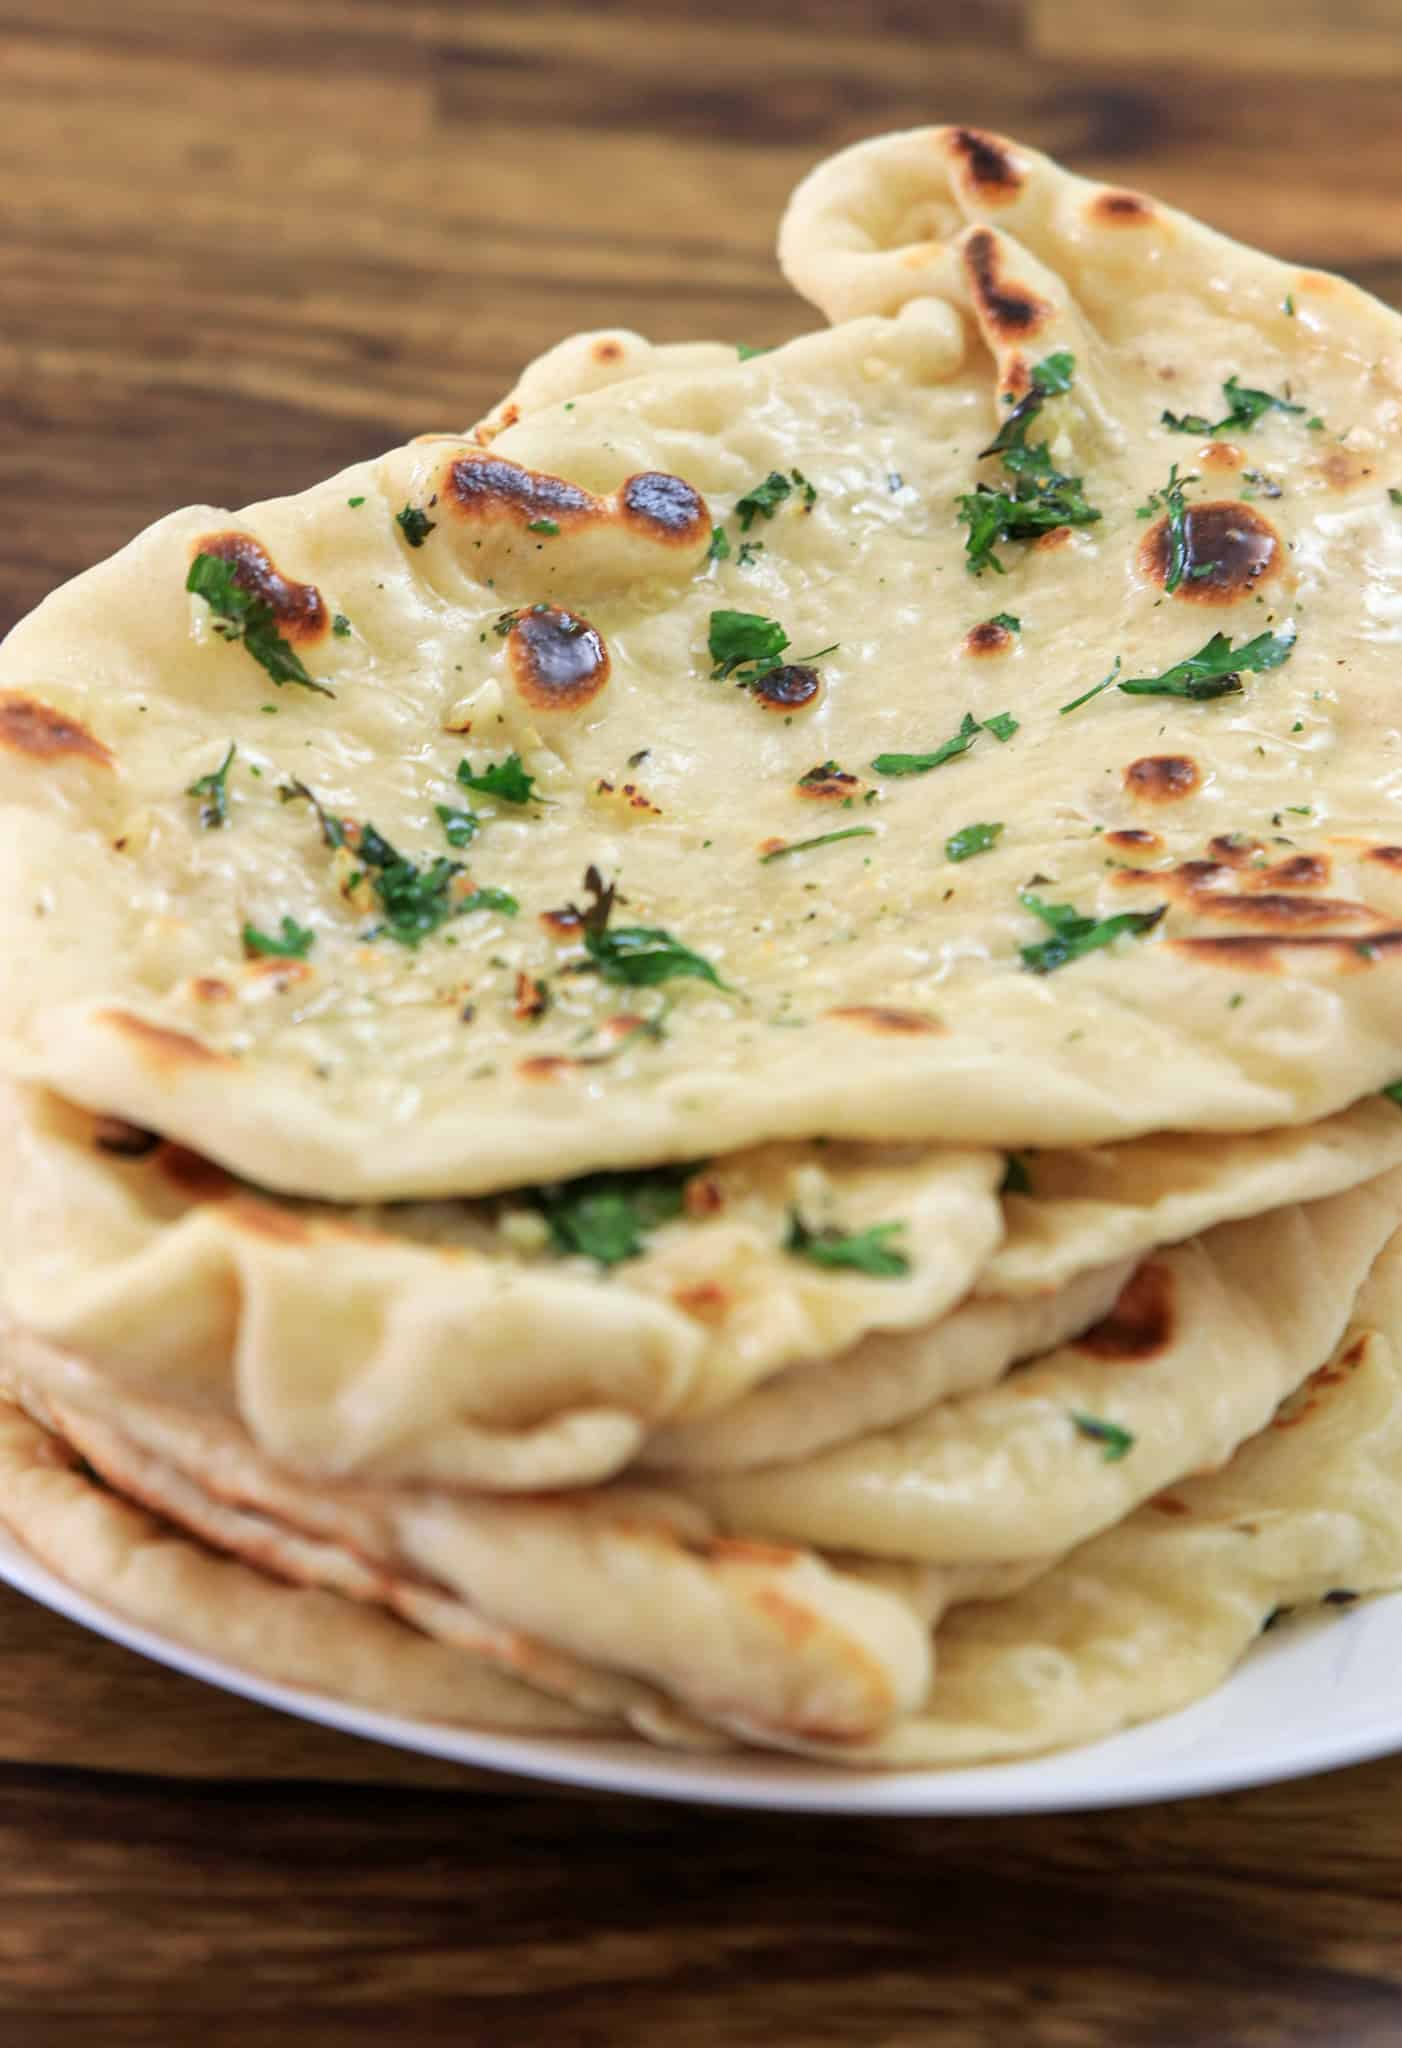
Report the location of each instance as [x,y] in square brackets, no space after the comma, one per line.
[244,244]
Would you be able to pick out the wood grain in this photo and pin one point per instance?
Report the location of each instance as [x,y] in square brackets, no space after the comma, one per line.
[240,246]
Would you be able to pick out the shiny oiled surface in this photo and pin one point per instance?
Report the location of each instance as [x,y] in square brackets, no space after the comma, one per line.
[241,246]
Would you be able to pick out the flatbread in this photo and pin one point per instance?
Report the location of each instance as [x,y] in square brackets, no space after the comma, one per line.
[1157,1612]
[1206,1341]
[452,1342]
[139,1566]
[873,989]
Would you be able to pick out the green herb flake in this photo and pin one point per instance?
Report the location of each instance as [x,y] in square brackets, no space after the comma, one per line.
[1393,1092]
[1037,497]
[1002,725]
[1170,497]
[971,839]
[1074,935]
[764,499]
[635,956]
[608,1217]
[1094,691]
[294,941]
[214,788]
[416,526]
[719,550]
[864,1251]
[547,526]
[823,839]
[459,827]
[747,354]
[1288,305]
[341,626]
[1216,669]
[1006,620]
[241,615]
[1115,1442]
[1315,425]
[744,641]
[1245,406]
[355,503]
[506,780]
[921,764]
[1394,494]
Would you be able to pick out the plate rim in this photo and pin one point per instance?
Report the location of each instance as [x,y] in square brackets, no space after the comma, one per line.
[1061,1782]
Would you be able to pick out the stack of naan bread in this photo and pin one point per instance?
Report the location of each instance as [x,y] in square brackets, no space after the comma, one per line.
[715,1061]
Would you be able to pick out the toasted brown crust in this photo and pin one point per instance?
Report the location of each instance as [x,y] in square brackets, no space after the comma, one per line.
[1230,550]
[1142,1321]
[888,1022]
[160,1045]
[1009,311]
[986,163]
[298,608]
[28,726]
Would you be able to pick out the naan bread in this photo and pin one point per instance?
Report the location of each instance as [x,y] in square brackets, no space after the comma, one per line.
[1205,1342]
[873,989]
[130,1561]
[1157,1612]
[450,1341]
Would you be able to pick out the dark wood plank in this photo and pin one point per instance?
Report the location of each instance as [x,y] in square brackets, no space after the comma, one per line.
[351,1915]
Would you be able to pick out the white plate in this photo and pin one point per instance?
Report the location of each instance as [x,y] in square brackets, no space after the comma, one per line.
[1316,1693]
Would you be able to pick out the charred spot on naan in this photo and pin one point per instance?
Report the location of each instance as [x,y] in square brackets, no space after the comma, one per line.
[1119,209]
[889,1023]
[559,662]
[298,609]
[1142,1321]
[1007,311]
[29,726]
[488,490]
[707,1301]
[1194,883]
[1131,839]
[1263,952]
[1220,455]
[985,165]
[827,782]
[1343,469]
[1299,871]
[1229,550]
[208,988]
[1162,778]
[160,1045]
[1234,849]
[794,687]
[989,636]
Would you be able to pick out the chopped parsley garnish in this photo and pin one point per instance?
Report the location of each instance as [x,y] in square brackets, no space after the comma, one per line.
[637,956]
[641,956]
[1074,935]
[1216,670]
[1245,407]
[333,831]
[341,626]
[1002,725]
[1094,691]
[607,1216]
[1039,497]
[1006,620]
[1170,497]
[866,1251]
[1288,305]
[214,788]
[764,500]
[354,502]
[1114,1441]
[415,900]
[1394,494]
[748,550]
[719,549]
[744,639]
[1393,1092]
[1016,1179]
[459,827]
[1315,425]
[746,353]
[823,839]
[971,839]
[416,526]
[293,943]
[506,779]
[550,526]
[240,615]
